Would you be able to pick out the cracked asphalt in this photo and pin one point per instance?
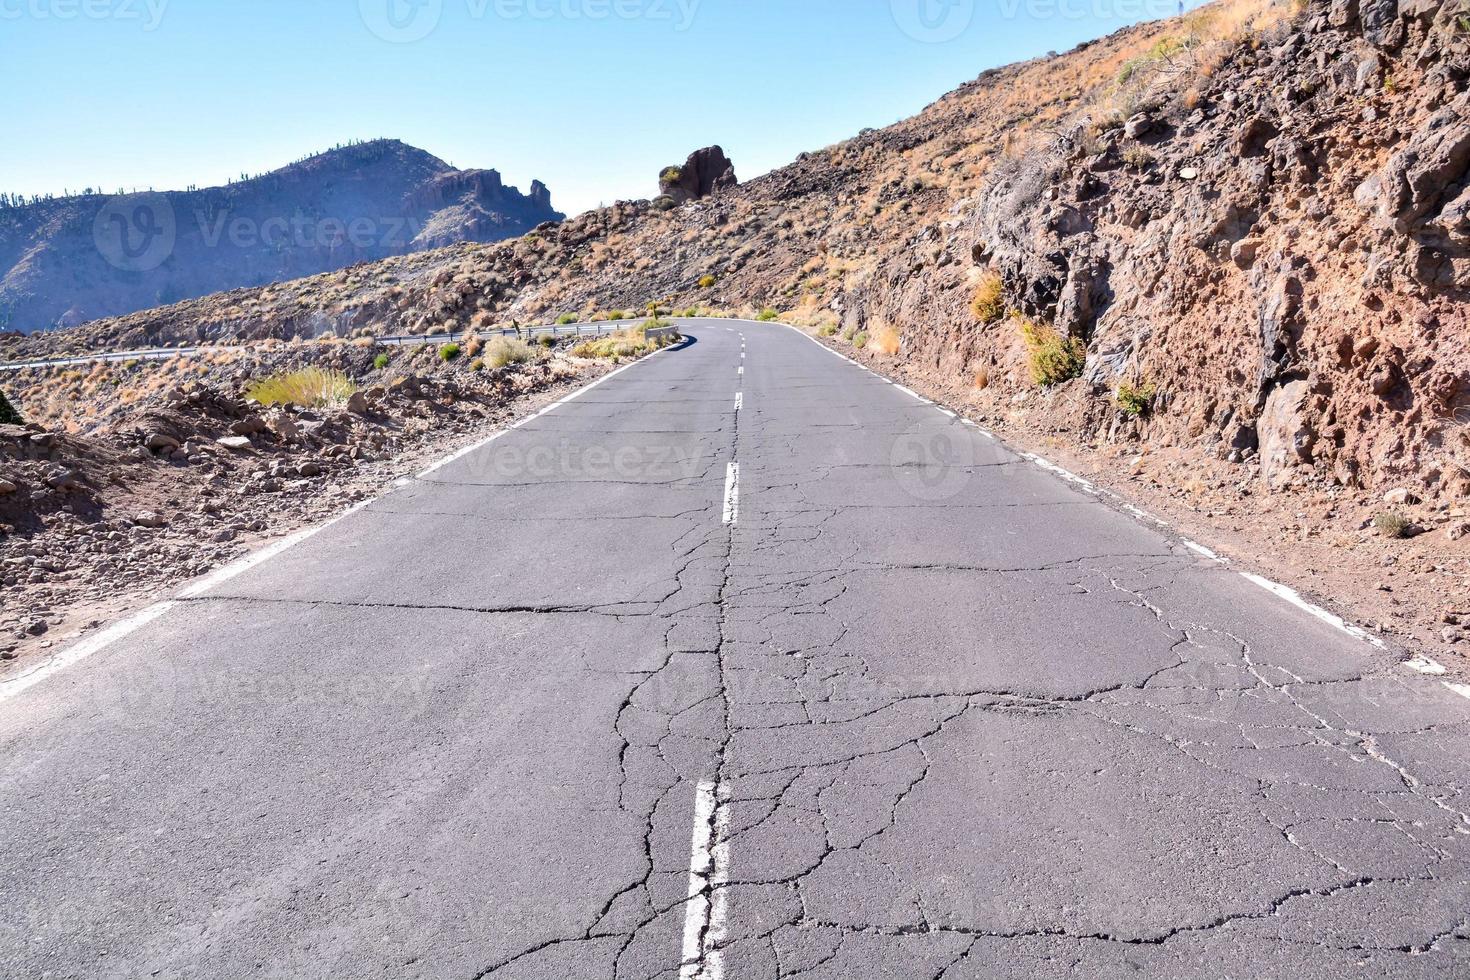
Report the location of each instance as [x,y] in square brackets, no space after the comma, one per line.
[948,716]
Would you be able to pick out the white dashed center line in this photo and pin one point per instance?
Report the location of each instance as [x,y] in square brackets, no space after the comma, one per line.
[732,493]
[709,865]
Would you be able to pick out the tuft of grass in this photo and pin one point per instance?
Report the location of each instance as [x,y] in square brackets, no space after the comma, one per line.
[707,282]
[565,319]
[1395,526]
[767,315]
[617,315]
[478,364]
[1134,400]
[982,378]
[380,362]
[546,340]
[860,340]
[1053,358]
[8,414]
[311,387]
[501,351]
[1137,158]
[988,304]
[449,352]
[885,339]
[827,330]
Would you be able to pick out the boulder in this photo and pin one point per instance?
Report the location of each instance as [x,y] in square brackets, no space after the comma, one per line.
[235,443]
[1286,437]
[1401,497]
[159,441]
[358,403]
[1139,125]
[706,172]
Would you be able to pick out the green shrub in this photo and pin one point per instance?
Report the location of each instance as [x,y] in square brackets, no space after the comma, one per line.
[617,315]
[381,361]
[1053,358]
[671,175]
[449,352]
[565,319]
[8,414]
[707,281]
[501,351]
[307,388]
[860,340]
[849,334]
[547,340]
[767,315]
[827,330]
[1134,399]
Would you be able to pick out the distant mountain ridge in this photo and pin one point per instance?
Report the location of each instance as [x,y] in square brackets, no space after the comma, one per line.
[68,260]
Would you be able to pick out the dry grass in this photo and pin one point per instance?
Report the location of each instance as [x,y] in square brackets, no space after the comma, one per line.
[501,351]
[885,339]
[988,304]
[307,388]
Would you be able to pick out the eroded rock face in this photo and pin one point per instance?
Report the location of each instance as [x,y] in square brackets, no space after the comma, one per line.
[706,172]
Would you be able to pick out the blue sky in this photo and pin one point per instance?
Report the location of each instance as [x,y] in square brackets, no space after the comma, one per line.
[590,96]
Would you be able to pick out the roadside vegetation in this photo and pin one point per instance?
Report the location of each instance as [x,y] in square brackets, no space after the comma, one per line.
[625,343]
[1135,398]
[1052,357]
[306,388]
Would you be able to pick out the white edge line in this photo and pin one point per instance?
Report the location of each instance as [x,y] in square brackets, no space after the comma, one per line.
[100,640]
[1426,665]
[1281,591]
[1198,548]
[1463,690]
[1294,597]
[84,649]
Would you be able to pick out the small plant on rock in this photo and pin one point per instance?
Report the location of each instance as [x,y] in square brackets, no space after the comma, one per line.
[1053,357]
[707,282]
[449,352]
[988,304]
[380,362]
[1134,399]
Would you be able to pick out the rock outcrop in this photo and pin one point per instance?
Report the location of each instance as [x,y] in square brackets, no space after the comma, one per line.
[706,172]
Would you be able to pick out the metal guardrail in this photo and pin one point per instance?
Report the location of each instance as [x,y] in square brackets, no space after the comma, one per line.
[596,329]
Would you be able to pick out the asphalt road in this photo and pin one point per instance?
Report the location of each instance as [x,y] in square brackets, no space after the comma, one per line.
[831,685]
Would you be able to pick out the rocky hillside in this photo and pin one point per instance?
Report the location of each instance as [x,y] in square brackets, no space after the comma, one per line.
[66,261]
[1242,233]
